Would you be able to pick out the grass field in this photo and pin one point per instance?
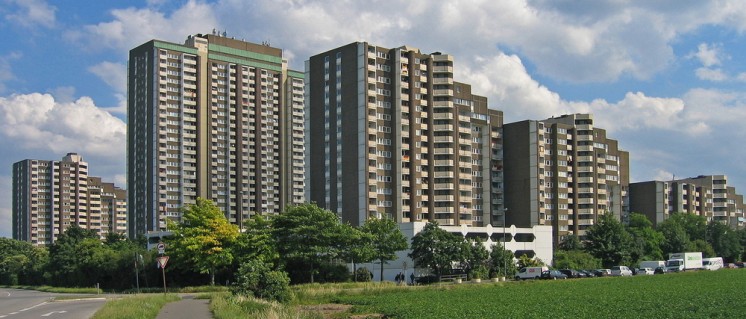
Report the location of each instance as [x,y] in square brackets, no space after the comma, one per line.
[143,306]
[703,294]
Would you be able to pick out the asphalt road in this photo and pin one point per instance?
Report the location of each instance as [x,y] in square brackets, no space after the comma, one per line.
[22,304]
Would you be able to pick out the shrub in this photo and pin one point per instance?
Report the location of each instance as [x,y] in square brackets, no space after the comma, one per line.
[255,278]
[363,275]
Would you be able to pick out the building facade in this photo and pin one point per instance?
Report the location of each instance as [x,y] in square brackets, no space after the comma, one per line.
[389,133]
[217,118]
[704,195]
[50,196]
[563,172]
[535,242]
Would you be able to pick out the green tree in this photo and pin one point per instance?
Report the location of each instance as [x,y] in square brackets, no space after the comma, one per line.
[256,278]
[21,263]
[575,259]
[571,242]
[386,238]
[646,241]
[526,261]
[501,262]
[436,249]
[675,237]
[72,261]
[725,241]
[608,241]
[477,260]
[308,234]
[204,239]
[701,246]
[256,242]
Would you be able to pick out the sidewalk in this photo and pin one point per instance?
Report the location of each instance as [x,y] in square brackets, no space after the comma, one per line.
[188,307]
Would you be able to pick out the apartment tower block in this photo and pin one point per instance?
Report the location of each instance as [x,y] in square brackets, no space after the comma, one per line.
[216,118]
[563,172]
[390,134]
[50,196]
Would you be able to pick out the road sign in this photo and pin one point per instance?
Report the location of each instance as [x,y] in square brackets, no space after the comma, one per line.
[162,261]
[161,248]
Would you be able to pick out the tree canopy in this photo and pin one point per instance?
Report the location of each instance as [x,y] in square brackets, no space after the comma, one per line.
[308,233]
[436,249]
[204,239]
[386,239]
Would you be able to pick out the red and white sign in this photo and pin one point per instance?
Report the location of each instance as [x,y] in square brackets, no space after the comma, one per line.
[162,261]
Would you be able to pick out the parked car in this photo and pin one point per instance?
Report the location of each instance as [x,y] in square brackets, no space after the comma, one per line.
[552,274]
[589,273]
[644,271]
[659,270]
[570,273]
[602,272]
[621,271]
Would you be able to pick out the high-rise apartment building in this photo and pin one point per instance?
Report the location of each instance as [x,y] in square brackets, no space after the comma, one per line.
[112,202]
[389,133]
[704,195]
[563,172]
[217,118]
[50,196]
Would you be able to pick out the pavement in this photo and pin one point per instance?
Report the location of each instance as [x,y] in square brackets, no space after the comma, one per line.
[187,307]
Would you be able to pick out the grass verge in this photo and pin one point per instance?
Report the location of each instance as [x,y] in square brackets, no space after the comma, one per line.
[144,306]
[227,306]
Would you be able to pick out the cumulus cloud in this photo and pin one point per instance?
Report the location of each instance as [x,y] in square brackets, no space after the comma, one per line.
[37,121]
[115,76]
[131,27]
[31,13]
[708,55]
[715,75]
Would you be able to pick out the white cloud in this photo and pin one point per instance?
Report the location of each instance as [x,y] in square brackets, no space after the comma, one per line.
[708,55]
[31,13]
[38,122]
[132,27]
[113,74]
[715,75]
[63,94]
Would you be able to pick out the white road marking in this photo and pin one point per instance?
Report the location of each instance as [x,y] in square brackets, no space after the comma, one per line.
[53,312]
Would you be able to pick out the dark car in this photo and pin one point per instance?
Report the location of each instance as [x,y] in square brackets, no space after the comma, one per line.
[587,273]
[552,274]
[570,273]
[601,272]
[659,270]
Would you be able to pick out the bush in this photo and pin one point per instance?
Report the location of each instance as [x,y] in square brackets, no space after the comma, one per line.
[363,275]
[255,278]
[333,273]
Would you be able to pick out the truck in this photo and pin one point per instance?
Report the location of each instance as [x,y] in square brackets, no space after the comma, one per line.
[712,263]
[530,272]
[684,261]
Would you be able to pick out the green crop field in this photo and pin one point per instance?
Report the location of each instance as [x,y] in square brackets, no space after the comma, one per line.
[703,294]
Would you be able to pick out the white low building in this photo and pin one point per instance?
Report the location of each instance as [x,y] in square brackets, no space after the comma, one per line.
[534,242]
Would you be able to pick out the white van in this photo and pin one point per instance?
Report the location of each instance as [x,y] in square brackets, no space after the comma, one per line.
[713,263]
[530,272]
[621,271]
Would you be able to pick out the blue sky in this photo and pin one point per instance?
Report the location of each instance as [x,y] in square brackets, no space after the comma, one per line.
[665,78]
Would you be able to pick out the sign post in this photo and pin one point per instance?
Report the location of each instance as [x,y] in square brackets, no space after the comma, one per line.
[162,261]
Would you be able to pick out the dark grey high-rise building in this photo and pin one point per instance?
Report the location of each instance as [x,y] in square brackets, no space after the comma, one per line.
[563,172]
[216,118]
[389,133]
